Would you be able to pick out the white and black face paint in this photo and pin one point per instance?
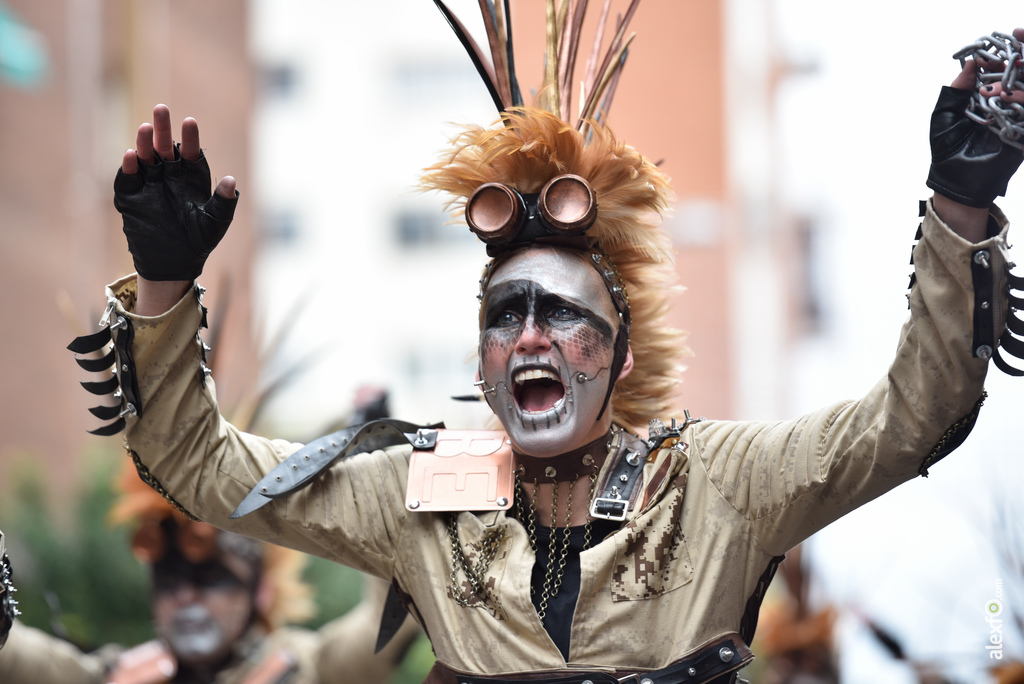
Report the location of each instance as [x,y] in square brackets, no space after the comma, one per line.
[546,346]
[194,635]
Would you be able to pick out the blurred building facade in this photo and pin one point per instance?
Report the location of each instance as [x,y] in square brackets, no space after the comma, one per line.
[62,133]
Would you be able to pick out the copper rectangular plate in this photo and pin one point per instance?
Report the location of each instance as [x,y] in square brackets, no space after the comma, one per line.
[468,470]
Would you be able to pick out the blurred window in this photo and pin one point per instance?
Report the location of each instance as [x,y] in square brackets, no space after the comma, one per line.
[415,228]
[279,81]
[281,227]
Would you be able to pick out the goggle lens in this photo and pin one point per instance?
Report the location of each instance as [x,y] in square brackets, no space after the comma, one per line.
[494,212]
[497,213]
[568,205]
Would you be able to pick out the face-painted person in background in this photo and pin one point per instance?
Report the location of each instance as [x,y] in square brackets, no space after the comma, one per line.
[221,607]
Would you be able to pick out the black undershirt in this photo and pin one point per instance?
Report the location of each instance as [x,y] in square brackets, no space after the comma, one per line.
[560,609]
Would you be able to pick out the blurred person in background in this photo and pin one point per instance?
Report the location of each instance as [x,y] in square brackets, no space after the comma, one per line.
[221,607]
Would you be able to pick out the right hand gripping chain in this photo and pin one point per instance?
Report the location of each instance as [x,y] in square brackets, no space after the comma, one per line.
[1005,119]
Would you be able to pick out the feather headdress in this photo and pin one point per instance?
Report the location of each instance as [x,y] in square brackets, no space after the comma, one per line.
[531,145]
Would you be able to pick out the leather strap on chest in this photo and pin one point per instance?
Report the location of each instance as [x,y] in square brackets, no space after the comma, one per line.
[618,491]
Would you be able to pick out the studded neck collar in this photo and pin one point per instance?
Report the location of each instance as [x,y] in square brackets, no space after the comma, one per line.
[578,463]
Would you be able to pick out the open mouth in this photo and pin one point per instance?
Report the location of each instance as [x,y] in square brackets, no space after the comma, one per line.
[537,390]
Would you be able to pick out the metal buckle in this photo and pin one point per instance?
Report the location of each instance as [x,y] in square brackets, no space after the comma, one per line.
[609,516]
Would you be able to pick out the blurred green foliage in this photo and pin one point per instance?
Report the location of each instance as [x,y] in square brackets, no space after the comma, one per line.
[75,574]
[77,578]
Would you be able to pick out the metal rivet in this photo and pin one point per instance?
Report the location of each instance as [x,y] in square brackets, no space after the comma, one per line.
[588,460]
[263,489]
[587,681]
[508,441]
[984,305]
[322,450]
[984,352]
[981,257]
[306,457]
[692,672]
[414,504]
[623,477]
[124,367]
[502,501]
[278,478]
[633,458]
[295,467]
[550,472]
[726,654]
[615,492]
[646,680]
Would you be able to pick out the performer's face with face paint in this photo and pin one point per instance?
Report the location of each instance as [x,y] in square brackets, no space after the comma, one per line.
[546,346]
[201,609]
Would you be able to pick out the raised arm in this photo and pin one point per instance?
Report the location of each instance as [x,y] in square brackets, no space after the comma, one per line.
[791,478]
[970,165]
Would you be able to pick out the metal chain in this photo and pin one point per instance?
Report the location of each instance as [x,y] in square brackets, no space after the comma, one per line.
[552,541]
[557,585]
[954,431]
[588,532]
[550,590]
[488,549]
[148,478]
[1001,56]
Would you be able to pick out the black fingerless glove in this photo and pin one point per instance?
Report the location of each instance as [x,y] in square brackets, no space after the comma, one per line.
[970,164]
[170,218]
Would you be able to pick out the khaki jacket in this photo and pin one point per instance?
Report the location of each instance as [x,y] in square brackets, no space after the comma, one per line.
[716,509]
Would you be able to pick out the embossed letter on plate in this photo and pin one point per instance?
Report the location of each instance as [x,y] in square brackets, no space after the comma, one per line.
[468,470]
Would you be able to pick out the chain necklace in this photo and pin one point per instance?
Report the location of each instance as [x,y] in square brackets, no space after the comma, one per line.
[557,553]
[526,513]
[489,547]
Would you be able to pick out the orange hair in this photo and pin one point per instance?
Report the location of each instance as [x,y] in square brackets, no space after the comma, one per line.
[528,148]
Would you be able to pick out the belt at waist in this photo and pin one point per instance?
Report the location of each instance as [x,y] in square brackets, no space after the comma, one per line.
[713,663]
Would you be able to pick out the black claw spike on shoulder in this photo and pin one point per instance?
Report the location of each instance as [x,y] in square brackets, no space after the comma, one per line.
[86,344]
[1012,345]
[106,412]
[1015,324]
[97,365]
[101,388]
[1002,365]
[108,430]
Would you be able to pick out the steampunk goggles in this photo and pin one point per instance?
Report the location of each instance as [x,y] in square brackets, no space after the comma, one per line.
[499,215]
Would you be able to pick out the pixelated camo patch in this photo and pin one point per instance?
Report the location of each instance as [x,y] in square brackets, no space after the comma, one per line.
[652,557]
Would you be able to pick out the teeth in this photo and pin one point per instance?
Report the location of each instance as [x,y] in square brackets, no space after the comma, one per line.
[536,374]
